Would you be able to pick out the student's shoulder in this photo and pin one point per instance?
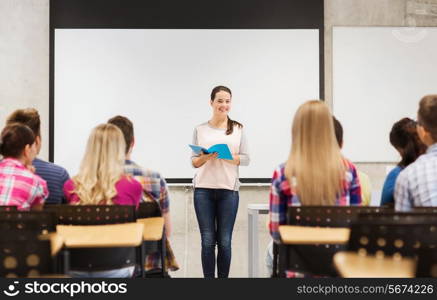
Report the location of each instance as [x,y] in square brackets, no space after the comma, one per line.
[136,170]
[348,163]
[49,166]
[414,168]
[201,126]
[394,172]
[129,184]
[350,166]
[279,172]
[15,169]
[69,184]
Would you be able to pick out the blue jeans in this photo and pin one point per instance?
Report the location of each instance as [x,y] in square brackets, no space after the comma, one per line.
[216,210]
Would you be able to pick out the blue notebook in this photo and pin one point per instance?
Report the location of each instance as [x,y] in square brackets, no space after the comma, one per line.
[222,150]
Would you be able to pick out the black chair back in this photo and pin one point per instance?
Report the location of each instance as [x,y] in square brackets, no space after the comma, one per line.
[425,209]
[329,216]
[8,208]
[426,263]
[93,214]
[98,259]
[148,209]
[36,221]
[25,258]
[398,234]
[316,260]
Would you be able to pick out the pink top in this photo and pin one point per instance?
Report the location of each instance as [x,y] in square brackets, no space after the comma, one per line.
[19,186]
[129,192]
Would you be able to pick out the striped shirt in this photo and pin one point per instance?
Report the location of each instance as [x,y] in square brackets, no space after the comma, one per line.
[282,195]
[416,185]
[55,176]
[19,186]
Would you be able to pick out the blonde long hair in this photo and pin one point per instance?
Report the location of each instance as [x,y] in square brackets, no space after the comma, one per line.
[315,166]
[101,167]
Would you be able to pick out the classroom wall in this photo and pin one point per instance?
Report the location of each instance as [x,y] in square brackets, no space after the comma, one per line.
[371,13]
[24,60]
[24,82]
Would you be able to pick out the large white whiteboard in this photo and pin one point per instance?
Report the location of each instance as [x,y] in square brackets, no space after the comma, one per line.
[161,80]
[379,76]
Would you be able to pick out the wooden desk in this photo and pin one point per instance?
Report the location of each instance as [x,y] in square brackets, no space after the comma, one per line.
[305,235]
[353,265]
[101,236]
[153,228]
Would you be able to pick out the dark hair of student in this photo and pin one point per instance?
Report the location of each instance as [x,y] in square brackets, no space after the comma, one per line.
[427,114]
[231,123]
[404,137]
[29,117]
[14,138]
[126,126]
[338,129]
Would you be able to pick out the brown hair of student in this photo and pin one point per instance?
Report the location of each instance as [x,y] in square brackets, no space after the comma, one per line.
[14,139]
[404,137]
[126,126]
[338,130]
[29,117]
[427,115]
[231,123]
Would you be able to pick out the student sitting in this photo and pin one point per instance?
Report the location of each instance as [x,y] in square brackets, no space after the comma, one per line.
[363,178]
[404,138]
[54,175]
[101,181]
[154,189]
[417,184]
[315,173]
[19,186]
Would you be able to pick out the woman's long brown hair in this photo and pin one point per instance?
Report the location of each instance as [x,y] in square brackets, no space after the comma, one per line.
[231,123]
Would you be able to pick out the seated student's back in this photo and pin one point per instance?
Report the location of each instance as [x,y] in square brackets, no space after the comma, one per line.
[416,185]
[315,173]
[126,192]
[19,186]
[154,189]
[101,181]
[404,138]
[54,175]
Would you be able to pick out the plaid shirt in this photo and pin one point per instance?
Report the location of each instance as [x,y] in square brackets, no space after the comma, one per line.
[282,195]
[19,186]
[155,189]
[154,186]
[416,185]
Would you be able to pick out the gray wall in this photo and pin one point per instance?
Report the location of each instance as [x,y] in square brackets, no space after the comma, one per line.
[24,60]
[371,13]
[24,82]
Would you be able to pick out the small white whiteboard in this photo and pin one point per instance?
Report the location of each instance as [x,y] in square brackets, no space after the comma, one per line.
[379,76]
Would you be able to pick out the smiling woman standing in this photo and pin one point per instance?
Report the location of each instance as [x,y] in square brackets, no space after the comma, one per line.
[216,182]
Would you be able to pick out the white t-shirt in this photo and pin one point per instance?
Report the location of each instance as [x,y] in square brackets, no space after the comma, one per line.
[218,173]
